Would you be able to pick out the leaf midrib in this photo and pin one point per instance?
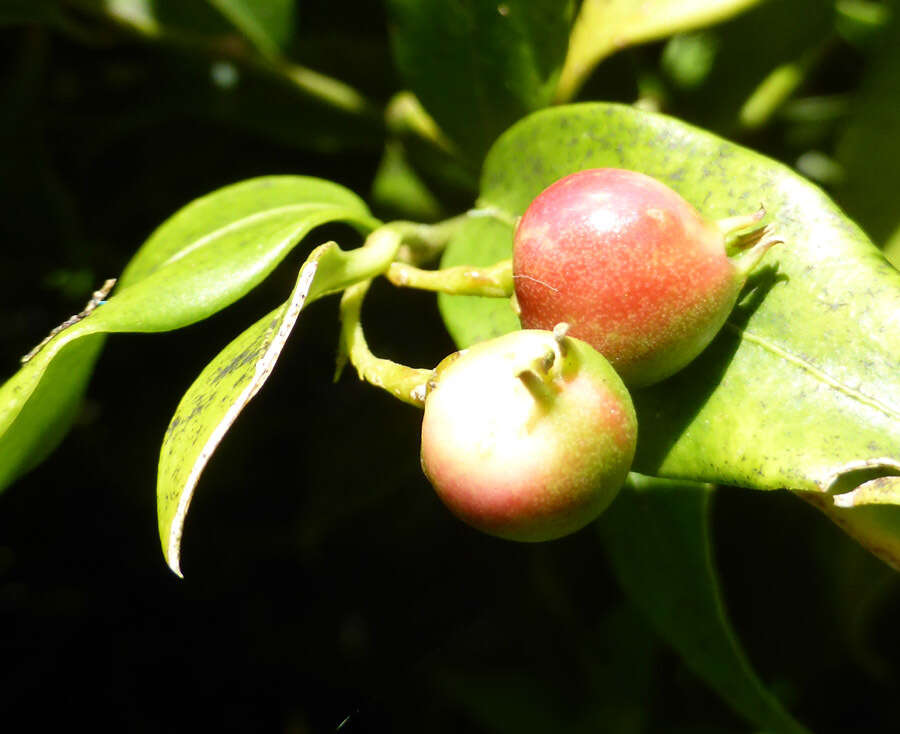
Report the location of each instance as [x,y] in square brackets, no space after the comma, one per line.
[237,224]
[817,373]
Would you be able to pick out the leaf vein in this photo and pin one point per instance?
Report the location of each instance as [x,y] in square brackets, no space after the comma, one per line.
[237,224]
[817,373]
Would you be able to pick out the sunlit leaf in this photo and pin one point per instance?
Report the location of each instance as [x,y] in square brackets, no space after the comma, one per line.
[605,26]
[657,536]
[208,255]
[800,390]
[227,384]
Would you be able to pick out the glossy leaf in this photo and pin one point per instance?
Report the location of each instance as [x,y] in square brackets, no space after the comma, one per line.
[208,255]
[227,384]
[269,24]
[657,537]
[479,66]
[800,389]
[605,26]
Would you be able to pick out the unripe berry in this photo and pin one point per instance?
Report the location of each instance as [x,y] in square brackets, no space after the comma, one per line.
[528,436]
[635,270]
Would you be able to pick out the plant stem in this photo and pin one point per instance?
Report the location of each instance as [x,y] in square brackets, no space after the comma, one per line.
[406,383]
[325,89]
[424,242]
[495,281]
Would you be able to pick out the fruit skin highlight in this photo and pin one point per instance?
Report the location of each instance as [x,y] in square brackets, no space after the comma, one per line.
[528,436]
[635,270]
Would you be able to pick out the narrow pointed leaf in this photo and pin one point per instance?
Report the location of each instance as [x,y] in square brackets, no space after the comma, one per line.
[802,387]
[208,255]
[667,571]
[605,26]
[227,384]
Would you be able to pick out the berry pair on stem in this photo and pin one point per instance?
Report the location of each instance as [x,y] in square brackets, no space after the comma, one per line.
[618,281]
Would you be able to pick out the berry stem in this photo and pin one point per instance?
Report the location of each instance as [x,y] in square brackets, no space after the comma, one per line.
[495,281]
[423,243]
[406,383]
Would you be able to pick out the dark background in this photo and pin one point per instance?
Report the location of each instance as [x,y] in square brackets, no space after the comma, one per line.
[325,586]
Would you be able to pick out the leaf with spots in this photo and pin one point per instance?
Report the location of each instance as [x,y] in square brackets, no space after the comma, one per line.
[205,257]
[801,389]
[227,384]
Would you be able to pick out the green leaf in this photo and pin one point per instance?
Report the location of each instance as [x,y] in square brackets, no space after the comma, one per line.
[208,255]
[38,406]
[605,26]
[657,537]
[869,149]
[227,384]
[800,390]
[479,66]
[399,190]
[269,24]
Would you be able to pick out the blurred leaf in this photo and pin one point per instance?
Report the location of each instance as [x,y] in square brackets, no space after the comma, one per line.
[479,66]
[743,60]
[269,24]
[688,57]
[606,26]
[778,86]
[185,86]
[398,189]
[162,17]
[869,149]
[208,255]
[859,21]
[227,384]
[800,388]
[657,537]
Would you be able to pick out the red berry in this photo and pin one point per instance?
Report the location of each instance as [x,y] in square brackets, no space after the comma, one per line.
[633,268]
[528,436]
